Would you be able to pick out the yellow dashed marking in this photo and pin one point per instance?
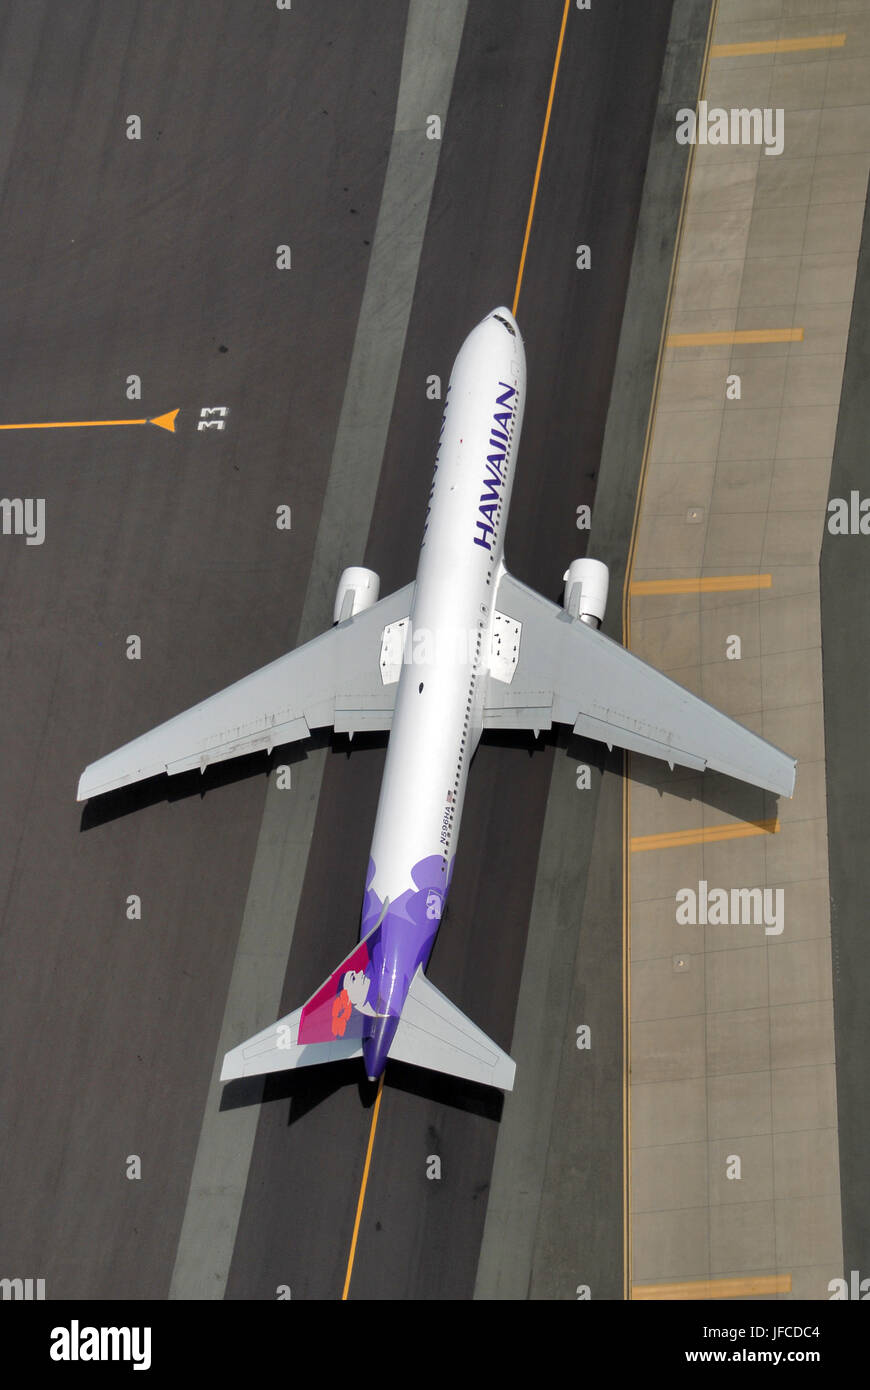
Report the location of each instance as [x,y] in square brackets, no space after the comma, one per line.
[710,584]
[736,335]
[805,45]
[751,1286]
[708,834]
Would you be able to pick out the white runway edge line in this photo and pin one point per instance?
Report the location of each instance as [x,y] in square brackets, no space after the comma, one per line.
[226,1141]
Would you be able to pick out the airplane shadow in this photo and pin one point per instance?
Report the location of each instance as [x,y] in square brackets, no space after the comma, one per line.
[309,1087]
[475,1099]
[305,1089]
[715,789]
[738,799]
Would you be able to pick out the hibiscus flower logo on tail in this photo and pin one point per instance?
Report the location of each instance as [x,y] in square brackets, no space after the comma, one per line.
[342,1009]
[352,995]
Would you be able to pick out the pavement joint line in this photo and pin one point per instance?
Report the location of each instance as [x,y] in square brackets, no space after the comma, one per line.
[704,835]
[219,1177]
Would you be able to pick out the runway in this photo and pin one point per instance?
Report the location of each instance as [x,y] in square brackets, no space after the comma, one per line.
[157,258]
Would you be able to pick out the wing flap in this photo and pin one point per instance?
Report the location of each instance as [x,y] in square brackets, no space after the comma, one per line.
[588,727]
[234,742]
[280,703]
[608,693]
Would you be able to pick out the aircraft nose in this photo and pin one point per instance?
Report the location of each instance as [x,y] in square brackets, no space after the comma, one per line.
[504,316]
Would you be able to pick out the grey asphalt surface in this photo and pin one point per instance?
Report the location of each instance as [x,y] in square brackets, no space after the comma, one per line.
[157,257]
[151,257]
[845,622]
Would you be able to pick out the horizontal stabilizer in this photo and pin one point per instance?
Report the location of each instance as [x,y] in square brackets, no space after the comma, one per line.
[277,1049]
[433,1033]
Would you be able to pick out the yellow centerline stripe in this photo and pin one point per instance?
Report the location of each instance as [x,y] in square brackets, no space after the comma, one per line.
[362,1190]
[537,178]
[747,1285]
[736,335]
[71,424]
[710,584]
[377,1106]
[165,422]
[737,50]
[705,835]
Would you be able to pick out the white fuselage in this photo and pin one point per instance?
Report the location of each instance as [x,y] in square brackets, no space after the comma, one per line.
[439,711]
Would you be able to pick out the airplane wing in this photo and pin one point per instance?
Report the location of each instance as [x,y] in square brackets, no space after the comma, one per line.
[557,669]
[347,678]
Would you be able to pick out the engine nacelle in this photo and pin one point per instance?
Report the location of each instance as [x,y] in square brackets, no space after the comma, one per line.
[586,585]
[358,589]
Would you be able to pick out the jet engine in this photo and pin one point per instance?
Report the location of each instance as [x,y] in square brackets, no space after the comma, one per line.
[586,584]
[358,589]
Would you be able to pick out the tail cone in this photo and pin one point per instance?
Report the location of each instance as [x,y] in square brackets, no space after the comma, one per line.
[376,1046]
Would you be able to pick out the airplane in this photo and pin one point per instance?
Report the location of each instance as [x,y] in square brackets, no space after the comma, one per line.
[464,648]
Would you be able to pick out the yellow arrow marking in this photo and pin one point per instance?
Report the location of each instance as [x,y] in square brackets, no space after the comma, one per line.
[166,422]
